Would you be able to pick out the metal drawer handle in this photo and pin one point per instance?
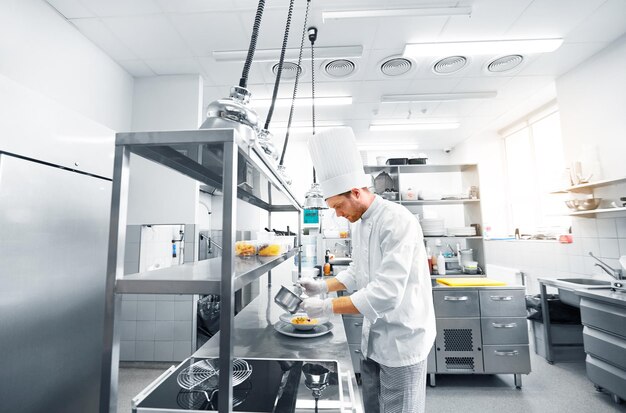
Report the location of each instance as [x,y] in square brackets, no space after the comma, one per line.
[450,298]
[506,353]
[501,297]
[358,324]
[502,325]
[357,351]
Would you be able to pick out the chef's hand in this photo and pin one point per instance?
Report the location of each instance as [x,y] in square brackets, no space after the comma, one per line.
[313,287]
[315,307]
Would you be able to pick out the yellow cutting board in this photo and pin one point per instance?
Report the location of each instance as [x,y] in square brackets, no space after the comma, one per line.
[469,282]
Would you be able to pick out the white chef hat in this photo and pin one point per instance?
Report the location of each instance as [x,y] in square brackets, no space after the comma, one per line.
[337,161]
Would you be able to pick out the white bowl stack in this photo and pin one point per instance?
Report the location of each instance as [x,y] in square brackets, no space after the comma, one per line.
[433,227]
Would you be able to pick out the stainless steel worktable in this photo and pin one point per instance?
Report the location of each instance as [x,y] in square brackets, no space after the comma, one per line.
[254,336]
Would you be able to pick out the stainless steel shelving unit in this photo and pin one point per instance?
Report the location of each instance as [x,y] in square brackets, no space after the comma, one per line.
[221,160]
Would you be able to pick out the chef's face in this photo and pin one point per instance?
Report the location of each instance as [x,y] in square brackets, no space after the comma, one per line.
[348,205]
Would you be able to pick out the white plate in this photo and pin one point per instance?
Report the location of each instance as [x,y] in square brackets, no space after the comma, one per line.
[286,318]
[289,330]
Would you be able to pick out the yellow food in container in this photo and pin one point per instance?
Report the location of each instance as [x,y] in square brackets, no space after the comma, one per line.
[270,249]
[245,248]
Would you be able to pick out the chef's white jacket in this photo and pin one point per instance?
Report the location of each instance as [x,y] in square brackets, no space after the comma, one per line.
[390,272]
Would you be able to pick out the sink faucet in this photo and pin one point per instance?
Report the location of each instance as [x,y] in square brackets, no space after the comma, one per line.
[615,273]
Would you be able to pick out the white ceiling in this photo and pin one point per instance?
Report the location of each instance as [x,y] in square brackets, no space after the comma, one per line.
[168,37]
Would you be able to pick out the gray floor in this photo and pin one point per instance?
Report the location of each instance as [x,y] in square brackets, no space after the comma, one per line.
[562,387]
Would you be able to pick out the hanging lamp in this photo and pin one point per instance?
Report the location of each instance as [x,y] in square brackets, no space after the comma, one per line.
[233,111]
[314,198]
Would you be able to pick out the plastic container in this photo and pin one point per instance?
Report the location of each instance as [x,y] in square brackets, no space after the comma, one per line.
[441,264]
[245,248]
[271,248]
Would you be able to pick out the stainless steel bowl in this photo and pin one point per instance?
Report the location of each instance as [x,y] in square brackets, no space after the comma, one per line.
[583,204]
[287,300]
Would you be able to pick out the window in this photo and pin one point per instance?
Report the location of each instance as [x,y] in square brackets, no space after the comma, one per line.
[535,167]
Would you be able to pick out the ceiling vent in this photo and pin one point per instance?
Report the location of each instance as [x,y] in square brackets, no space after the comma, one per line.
[396,66]
[450,65]
[339,68]
[505,63]
[290,70]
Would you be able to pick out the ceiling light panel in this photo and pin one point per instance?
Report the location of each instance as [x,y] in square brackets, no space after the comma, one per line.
[413,126]
[319,101]
[420,11]
[437,97]
[272,55]
[489,47]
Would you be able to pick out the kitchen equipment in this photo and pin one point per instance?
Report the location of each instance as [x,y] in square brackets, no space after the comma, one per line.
[433,227]
[467,256]
[397,161]
[316,378]
[203,375]
[390,195]
[289,330]
[287,300]
[470,267]
[288,318]
[383,182]
[417,161]
[275,385]
[583,204]
[470,282]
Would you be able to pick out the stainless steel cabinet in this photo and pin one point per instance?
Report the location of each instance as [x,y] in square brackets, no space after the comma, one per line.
[481,330]
[353,324]
[604,337]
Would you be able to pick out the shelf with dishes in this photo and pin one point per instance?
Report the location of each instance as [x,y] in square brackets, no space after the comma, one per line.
[598,211]
[585,187]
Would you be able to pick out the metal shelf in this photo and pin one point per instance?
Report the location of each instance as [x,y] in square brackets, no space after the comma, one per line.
[454,236]
[590,185]
[421,168]
[440,202]
[598,211]
[201,277]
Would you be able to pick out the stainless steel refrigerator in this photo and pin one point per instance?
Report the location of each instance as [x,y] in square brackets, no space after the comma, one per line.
[53,248]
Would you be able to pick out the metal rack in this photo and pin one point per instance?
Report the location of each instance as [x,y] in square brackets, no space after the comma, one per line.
[223,161]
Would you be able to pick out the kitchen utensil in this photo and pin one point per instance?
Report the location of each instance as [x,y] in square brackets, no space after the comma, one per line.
[383,182]
[287,300]
[315,376]
[470,267]
[417,161]
[390,195]
[583,204]
[467,256]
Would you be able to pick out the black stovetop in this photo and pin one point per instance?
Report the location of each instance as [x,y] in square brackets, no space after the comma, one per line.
[274,386]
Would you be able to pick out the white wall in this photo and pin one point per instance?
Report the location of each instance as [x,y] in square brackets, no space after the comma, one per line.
[158,195]
[592,104]
[42,51]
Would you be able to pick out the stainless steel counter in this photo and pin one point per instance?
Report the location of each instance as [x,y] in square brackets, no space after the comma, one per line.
[613,297]
[254,336]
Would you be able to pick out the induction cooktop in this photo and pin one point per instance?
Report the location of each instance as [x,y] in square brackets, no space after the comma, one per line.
[274,385]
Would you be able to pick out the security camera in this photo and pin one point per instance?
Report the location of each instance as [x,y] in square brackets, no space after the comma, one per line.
[448,149]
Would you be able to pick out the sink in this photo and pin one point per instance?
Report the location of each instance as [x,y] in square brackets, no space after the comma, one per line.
[585,281]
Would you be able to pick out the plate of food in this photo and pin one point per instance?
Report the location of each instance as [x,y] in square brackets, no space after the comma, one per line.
[301,321]
[290,330]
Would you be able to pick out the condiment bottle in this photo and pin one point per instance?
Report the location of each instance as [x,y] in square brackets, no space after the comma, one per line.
[327,263]
[441,264]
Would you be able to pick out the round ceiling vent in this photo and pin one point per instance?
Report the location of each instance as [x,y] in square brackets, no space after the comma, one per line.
[396,66]
[505,63]
[290,70]
[450,65]
[339,68]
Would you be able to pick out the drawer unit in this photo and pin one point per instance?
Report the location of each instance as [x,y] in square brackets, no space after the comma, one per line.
[356,356]
[603,316]
[606,376]
[607,347]
[458,345]
[506,359]
[510,330]
[456,303]
[353,327]
[502,303]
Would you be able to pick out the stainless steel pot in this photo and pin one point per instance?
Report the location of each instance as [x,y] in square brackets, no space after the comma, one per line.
[287,300]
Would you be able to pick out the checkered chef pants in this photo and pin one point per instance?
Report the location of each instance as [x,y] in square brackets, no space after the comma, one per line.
[393,389]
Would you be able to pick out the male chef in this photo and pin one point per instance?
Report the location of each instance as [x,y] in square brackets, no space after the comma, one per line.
[389,273]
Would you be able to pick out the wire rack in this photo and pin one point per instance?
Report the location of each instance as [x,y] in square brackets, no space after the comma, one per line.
[204,374]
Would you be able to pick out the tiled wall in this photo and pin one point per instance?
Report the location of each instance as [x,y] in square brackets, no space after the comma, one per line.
[155,327]
[604,237]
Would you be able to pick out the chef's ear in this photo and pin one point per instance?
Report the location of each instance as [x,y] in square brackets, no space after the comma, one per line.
[356,192]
